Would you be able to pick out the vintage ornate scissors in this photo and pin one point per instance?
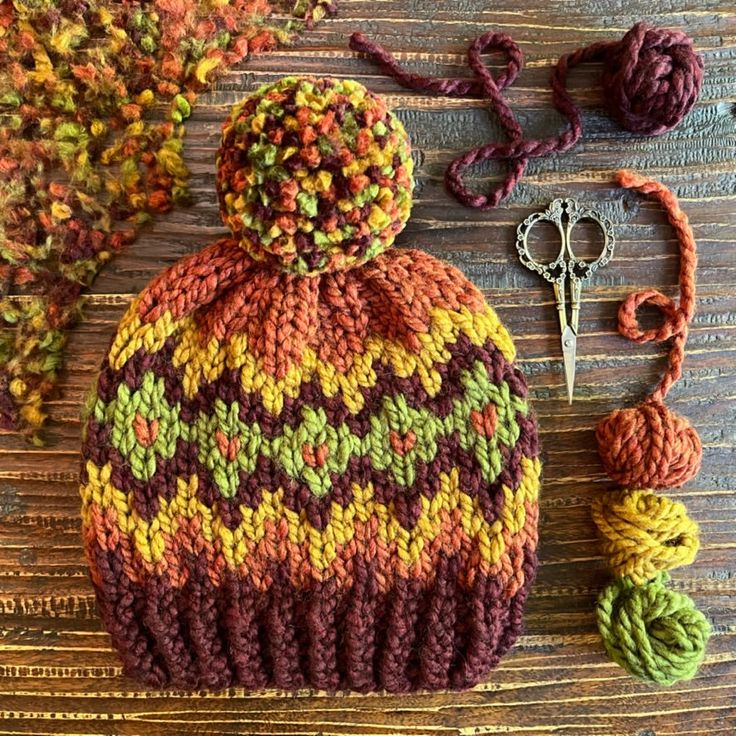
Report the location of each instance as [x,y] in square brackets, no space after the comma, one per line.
[567,267]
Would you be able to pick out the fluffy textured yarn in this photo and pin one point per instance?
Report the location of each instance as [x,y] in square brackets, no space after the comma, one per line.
[644,534]
[94,95]
[324,480]
[316,173]
[651,77]
[653,632]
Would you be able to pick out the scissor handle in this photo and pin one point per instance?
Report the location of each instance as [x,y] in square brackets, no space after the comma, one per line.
[578,268]
[555,270]
[565,214]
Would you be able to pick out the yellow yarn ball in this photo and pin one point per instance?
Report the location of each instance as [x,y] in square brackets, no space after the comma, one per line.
[644,534]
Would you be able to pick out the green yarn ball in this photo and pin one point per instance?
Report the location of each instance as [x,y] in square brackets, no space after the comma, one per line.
[653,632]
[314,175]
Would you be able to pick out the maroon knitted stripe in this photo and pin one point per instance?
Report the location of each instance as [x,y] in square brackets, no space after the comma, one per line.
[121,603]
[282,624]
[322,625]
[419,635]
[464,354]
[364,613]
[439,623]
[160,620]
[241,624]
[396,666]
[201,607]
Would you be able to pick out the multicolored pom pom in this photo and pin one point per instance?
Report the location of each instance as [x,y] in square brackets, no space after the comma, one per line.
[314,173]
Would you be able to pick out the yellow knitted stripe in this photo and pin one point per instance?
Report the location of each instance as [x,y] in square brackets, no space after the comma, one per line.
[449,520]
[204,362]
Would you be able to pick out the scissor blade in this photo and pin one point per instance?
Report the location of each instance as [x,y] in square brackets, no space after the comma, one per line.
[569,345]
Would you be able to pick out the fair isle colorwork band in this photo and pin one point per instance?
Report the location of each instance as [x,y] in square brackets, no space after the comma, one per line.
[309,459]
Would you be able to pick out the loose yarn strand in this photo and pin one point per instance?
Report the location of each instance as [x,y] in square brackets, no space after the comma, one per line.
[518,150]
[653,632]
[648,445]
[652,78]
[677,316]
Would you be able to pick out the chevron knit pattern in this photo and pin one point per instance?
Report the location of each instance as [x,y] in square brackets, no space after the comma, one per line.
[325,481]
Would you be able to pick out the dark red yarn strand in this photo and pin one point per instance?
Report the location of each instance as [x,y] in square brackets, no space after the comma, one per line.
[652,78]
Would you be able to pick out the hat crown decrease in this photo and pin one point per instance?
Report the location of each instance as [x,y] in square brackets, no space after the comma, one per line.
[314,175]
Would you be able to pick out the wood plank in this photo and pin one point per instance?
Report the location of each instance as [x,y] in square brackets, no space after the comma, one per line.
[58,674]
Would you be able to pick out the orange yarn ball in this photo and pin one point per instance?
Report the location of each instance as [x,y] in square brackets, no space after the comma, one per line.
[648,447]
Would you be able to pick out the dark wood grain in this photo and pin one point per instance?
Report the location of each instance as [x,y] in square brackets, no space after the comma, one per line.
[58,674]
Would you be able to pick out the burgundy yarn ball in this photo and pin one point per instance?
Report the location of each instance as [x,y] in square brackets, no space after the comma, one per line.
[648,447]
[652,78]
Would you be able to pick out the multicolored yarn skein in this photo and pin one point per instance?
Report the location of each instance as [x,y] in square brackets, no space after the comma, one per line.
[309,459]
[655,633]
[652,78]
[93,100]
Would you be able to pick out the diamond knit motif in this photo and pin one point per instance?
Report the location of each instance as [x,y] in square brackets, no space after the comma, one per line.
[324,479]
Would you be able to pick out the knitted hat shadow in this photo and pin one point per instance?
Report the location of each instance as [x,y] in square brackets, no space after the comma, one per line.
[309,458]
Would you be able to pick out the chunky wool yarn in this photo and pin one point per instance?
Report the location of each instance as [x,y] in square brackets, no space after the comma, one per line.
[309,459]
[644,534]
[651,77]
[93,100]
[650,446]
[655,633]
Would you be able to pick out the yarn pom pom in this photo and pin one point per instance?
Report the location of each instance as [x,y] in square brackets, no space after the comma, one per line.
[644,534]
[653,632]
[648,447]
[315,174]
[652,78]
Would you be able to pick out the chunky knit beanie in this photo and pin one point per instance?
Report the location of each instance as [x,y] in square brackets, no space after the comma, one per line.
[309,459]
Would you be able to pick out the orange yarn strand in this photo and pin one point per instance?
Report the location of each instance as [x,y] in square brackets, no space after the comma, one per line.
[677,317]
[649,446]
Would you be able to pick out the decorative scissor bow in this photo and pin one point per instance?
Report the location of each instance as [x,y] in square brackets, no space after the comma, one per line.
[565,214]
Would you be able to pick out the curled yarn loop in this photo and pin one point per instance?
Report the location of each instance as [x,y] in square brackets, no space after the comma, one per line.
[644,534]
[649,446]
[652,78]
[653,632]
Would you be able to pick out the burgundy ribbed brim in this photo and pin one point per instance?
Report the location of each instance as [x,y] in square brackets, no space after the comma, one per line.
[417,635]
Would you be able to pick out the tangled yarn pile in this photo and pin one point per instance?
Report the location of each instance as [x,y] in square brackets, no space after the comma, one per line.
[652,78]
[88,155]
[652,631]
[310,458]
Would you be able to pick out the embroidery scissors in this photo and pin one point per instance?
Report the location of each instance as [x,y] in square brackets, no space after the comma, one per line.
[567,267]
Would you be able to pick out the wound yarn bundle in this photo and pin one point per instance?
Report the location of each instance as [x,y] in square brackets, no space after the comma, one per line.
[652,78]
[652,631]
[309,458]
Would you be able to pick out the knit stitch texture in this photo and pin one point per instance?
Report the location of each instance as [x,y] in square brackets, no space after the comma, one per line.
[310,458]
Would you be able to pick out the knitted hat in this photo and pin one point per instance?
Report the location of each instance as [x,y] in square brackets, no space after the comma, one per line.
[309,459]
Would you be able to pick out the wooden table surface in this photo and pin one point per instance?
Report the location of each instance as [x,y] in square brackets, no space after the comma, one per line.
[58,674]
